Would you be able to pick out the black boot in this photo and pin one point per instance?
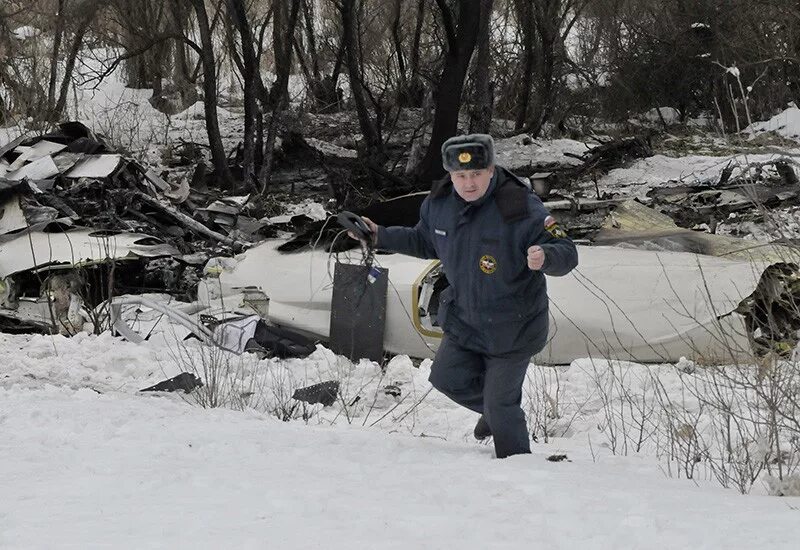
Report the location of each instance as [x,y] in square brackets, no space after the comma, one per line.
[482,429]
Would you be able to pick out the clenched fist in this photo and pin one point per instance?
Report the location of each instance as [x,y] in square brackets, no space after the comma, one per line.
[535,257]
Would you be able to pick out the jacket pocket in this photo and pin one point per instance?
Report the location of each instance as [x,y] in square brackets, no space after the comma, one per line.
[445,305]
[513,324]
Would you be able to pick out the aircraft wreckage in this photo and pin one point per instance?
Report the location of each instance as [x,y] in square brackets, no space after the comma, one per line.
[723,300]
[630,304]
[646,290]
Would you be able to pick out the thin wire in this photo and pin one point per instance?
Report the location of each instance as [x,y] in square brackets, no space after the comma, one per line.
[369,259]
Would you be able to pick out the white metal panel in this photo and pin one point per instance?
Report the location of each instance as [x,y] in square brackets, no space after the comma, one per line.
[621,303]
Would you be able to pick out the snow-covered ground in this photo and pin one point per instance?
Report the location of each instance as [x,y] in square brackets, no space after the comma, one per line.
[90,462]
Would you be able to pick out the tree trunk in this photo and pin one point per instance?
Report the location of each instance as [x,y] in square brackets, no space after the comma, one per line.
[284,23]
[372,139]
[210,96]
[283,38]
[417,39]
[461,44]
[86,15]
[58,110]
[308,16]
[416,91]
[181,74]
[548,22]
[526,24]
[481,115]
[250,73]
[59,33]
[398,48]
[181,65]
[141,20]
[322,87]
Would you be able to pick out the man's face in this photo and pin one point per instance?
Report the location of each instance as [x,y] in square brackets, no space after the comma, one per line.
[472,184]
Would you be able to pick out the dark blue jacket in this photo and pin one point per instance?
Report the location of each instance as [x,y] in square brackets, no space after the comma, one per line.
[495,304]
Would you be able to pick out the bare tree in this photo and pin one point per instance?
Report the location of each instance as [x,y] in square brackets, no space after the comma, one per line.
[140,28]
[85,13]
[210,101]
[461,37]
[415,89]
[36,83]
[322,86]
[251,77]
[481,112]
[373,143]
[544,25]
[285,22]
[398,48]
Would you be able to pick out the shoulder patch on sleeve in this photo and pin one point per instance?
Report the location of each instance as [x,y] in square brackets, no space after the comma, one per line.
[552,227]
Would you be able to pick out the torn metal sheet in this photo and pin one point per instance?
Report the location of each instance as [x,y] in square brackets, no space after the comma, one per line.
[249,226]
[43,148]
[39,169]
[31,249]
[154,178]
[772,311]
[691,205]
[31,153]
[57,305]
[65,161]
[220,207]
[11,216]
[23,154]
[282,219]
[97,166]
[179,194]
[624,304]
[35,213]
[222,219]
[10,146]
[632,224]
[32,312]
[134,316]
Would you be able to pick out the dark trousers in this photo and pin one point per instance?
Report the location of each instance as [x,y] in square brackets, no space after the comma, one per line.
[491,386]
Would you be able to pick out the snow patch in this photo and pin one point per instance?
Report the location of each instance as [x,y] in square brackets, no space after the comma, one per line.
[21,33]
[523,151]
[786,124]
[669,114]
[660,170]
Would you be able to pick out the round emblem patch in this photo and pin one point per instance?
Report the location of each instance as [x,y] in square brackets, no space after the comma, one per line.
[464,157]
[488,264]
